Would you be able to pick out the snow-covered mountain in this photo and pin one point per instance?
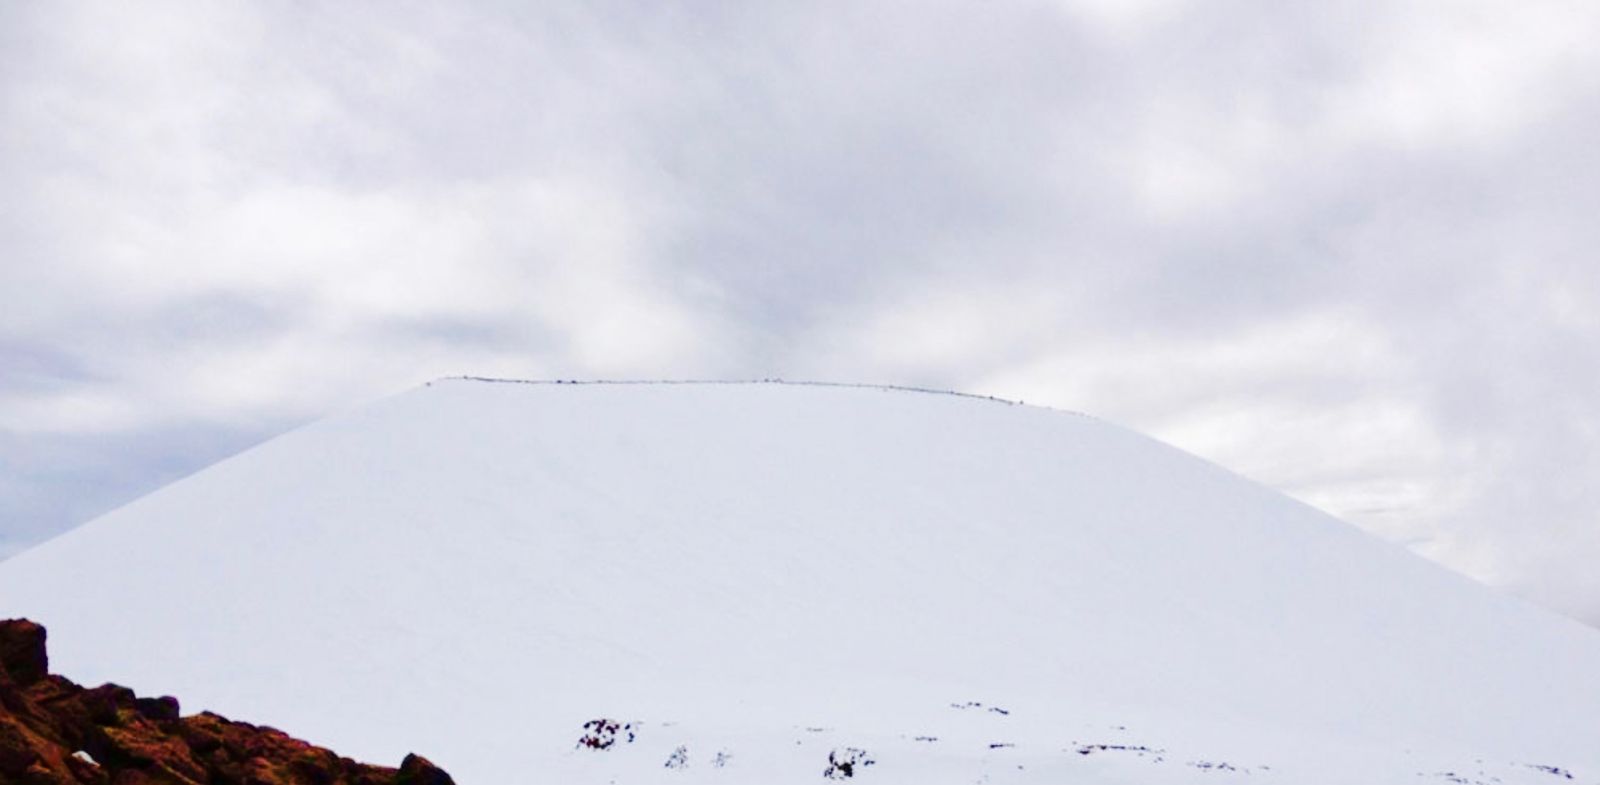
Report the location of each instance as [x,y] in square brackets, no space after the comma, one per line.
[735,582]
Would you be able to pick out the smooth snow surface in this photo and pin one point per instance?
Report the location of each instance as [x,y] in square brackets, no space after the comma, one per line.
[752,577]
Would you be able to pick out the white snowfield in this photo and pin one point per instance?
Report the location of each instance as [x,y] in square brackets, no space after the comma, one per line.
[733,582]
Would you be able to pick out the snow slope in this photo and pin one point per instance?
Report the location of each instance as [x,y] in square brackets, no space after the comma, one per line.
[762,575]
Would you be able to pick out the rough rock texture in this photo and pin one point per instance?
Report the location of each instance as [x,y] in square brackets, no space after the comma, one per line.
[54,732]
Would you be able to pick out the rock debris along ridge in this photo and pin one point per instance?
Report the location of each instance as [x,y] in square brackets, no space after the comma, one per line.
[481,569]
[907,388]
[54,732]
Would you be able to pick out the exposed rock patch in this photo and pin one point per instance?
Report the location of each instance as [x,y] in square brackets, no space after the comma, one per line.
[55,732]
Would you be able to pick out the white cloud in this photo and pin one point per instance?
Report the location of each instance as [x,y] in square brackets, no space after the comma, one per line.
[1125,19]
[1436,75]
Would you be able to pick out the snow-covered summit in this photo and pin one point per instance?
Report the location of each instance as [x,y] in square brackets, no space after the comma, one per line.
[746,579]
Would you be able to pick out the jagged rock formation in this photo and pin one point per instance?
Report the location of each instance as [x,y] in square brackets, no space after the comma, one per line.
[54,732]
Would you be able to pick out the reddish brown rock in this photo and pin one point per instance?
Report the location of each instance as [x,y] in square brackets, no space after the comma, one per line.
[417,770]
[22,651]
[54,732]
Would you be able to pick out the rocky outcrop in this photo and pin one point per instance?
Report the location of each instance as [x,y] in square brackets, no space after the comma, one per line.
[54,732]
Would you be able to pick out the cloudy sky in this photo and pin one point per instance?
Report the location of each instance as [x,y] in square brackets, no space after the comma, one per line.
[1345,249]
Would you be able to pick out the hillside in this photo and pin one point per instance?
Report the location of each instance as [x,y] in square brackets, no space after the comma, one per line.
[750,578]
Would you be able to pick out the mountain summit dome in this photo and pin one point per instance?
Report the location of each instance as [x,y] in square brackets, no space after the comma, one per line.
[774,583]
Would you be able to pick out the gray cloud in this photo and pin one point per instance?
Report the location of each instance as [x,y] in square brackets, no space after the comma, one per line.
[1345,251]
